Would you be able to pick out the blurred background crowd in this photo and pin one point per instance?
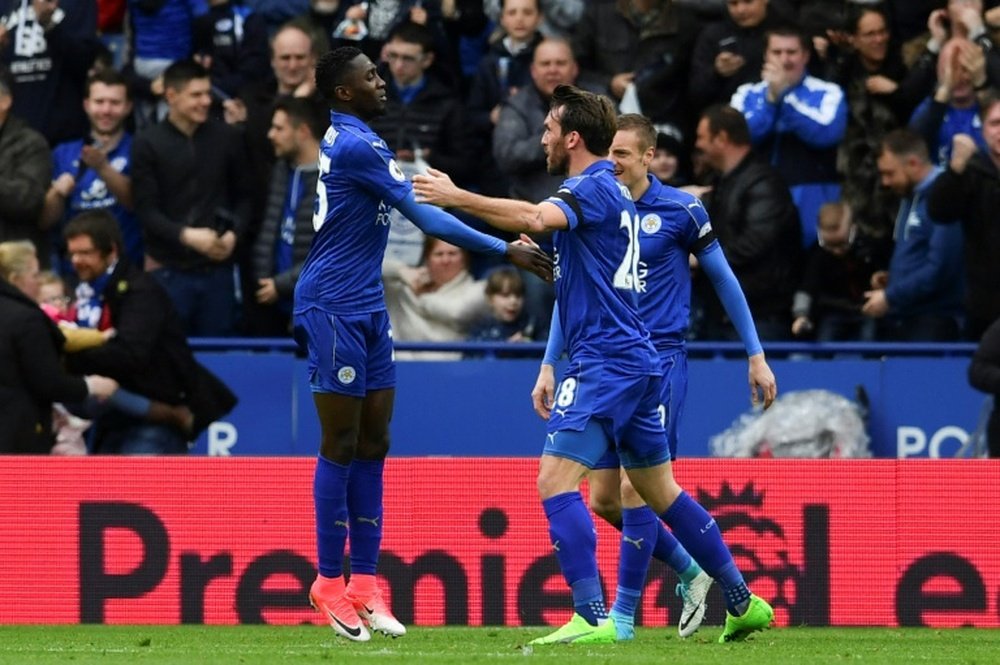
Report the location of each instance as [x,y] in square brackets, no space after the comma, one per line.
[196,125]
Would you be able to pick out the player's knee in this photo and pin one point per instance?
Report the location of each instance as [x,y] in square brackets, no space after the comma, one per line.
[630,497]
[374,447]
[339,446]
[606,506]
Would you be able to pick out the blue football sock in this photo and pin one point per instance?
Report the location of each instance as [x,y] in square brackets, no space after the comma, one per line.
[574,540]
[330,497]
[364,505]
[638,536]
[699,534]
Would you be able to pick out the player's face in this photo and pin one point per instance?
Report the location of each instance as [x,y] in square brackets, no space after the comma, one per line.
[520,18]
[787,53]
[630,160]
[747,13]
[554,144]
[87,261]
[282,136]
[106,106]
[191,102]
[292,59]
[894,173]
[366,88]
[444,262]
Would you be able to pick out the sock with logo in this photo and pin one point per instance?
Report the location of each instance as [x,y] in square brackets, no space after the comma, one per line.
[330,498]
[575,541]
[638,535]
[700,535]
[364,505]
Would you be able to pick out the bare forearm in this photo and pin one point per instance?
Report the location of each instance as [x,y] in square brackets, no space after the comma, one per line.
[504,214]
[119,185]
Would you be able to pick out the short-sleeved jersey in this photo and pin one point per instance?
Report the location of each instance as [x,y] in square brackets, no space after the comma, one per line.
[358,183]
[672,225]
[595,268]
[92,193]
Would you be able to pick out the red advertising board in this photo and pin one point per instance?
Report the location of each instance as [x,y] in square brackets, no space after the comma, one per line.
[231,540]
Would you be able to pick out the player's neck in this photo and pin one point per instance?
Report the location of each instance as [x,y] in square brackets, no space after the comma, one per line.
[638,188]
[580,162]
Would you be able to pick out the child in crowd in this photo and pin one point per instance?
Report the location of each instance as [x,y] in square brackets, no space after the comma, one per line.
[507,321]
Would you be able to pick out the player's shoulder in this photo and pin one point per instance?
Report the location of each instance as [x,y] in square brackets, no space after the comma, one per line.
[672,200]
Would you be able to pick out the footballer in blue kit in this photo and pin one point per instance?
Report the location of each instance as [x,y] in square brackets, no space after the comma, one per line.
[672,225]
[610,394]
[340,319]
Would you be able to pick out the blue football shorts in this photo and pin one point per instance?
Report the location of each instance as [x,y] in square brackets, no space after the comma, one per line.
[347,355]
[623,405]
[673,391]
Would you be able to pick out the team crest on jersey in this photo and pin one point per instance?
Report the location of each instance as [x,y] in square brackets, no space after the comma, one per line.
[651,223]
[346,375]
[395,171]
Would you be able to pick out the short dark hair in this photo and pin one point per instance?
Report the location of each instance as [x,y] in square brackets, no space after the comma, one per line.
[538,6]
[109,77]
[304,111]
[987,100]
[788,31]
[182,72]
[904,142]
[102,228]
[332,68]
[724,118]
[6,81]
[641,126]
[590,115]
[413,33]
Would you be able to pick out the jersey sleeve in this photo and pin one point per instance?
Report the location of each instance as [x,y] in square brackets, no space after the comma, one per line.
[62,160]
[699,237]
[372,167]
[565,199]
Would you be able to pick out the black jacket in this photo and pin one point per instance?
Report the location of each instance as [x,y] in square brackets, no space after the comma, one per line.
[758,227]
[270,228]
[974,198]
[180,181]
[31,374]
[149,355]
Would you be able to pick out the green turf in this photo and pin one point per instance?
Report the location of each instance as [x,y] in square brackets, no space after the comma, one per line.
[263,645]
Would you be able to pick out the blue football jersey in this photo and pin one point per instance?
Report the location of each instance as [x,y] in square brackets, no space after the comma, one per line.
[672,225]
[92,193]
[596,272]
[359,182]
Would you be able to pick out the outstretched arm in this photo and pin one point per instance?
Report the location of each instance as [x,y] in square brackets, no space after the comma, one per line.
[439,223]
[435,187]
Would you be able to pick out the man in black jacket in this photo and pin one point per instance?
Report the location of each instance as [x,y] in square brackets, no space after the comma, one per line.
[286,231]
[757,225]
[148,355]
[190,190]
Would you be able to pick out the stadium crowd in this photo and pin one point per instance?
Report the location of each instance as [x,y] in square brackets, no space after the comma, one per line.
[847,151]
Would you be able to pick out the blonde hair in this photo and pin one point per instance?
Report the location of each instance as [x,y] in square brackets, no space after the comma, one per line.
[14,257]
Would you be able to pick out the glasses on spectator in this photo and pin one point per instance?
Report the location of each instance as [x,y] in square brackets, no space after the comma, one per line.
[392,56]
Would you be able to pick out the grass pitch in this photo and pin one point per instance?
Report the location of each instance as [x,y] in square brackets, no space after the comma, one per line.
[265,645]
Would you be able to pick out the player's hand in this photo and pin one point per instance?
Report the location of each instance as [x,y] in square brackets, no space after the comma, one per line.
[435,187]
[544,392]
[763,385]
[937,25]
[530,258]
[801,326]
